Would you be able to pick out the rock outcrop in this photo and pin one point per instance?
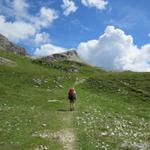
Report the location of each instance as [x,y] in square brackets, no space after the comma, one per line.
[71,55]
[6,45]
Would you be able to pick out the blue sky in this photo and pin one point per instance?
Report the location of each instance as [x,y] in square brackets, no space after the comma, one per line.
[49,26]
[89,23]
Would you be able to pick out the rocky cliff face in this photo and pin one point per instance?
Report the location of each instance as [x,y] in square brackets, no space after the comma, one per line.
[6,45]
[71,55]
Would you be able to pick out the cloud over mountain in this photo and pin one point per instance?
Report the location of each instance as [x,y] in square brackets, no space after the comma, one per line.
[48,49]
[115,50]
[16,30]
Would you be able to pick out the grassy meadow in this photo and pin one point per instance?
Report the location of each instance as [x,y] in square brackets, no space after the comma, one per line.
[112,109]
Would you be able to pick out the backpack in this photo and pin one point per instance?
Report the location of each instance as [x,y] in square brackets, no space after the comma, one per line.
[72,94]
[71,91]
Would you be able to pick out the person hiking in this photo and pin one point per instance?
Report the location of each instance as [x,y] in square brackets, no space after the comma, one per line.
[72,96]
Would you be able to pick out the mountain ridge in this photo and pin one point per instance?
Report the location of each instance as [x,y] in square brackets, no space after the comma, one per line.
[70,55]
[7,45]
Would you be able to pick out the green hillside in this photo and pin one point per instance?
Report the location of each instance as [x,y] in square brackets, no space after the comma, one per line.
[112,109]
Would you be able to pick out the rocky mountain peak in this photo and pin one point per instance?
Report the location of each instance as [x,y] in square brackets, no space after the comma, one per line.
[71,55]
[6,45]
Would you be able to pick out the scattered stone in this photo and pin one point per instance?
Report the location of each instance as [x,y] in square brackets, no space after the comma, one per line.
[44,125]
[4,61]
[53,101]
[37,81]
[60,86]
[41,147]
[72,69]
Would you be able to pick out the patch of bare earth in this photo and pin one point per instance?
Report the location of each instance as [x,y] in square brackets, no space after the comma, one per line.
[66,137]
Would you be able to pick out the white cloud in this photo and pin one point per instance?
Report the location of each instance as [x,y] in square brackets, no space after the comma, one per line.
[17,9]
[17,30]
[149,34]
[48,49]
[41,38]
[69,7]
[99,4]
[24,25]
[20,5]
[115,50]
[47,16]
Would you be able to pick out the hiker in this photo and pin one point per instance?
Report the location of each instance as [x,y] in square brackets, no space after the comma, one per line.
[72,96]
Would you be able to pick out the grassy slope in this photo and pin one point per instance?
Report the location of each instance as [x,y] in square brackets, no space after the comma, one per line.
[112,108]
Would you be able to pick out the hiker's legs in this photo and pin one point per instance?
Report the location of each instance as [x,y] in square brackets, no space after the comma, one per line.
[70,105]
[73,105]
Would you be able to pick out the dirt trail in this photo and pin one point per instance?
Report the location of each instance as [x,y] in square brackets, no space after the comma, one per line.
[66,137]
